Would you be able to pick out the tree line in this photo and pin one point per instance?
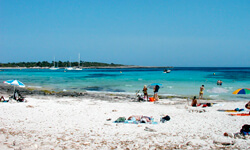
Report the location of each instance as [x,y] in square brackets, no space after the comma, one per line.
[57,64]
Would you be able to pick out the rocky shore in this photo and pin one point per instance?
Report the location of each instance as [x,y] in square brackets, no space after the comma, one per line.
[8,90]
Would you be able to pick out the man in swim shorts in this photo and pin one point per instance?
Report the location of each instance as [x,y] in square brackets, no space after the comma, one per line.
[201,92]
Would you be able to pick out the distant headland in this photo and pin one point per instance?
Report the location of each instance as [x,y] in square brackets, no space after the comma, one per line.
[61,65]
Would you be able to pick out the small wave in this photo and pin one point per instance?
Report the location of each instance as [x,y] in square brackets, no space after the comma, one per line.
[169,95]
[169,87]
[64,90]
[128,85]
[217,90]
[229,88]
[139,79]
[213,96]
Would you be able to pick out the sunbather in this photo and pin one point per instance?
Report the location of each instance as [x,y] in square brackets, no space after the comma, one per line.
[194,102]
[18,97]
[3,100]
[143,119]
[247,105]
[136,117]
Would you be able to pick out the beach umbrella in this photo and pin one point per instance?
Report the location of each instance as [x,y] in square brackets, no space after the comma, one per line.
[242,91]
[15,83]
[154,84]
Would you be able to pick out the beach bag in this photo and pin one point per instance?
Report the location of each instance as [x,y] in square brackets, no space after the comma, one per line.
[151,99]
[120,119]
[165,118]
[245,128]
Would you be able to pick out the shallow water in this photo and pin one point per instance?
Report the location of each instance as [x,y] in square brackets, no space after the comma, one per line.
[181,81]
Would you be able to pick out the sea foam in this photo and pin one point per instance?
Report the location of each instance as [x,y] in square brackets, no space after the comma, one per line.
[217,90]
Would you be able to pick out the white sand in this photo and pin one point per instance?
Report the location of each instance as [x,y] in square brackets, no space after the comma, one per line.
[71,123]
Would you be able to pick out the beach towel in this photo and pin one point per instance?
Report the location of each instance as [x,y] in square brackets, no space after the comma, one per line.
[136,122]
[242,114]
[228,110]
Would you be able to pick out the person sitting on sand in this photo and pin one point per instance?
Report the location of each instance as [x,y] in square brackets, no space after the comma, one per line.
[194,102]
[18,97]
[145,91]
[247,105]
[3,100]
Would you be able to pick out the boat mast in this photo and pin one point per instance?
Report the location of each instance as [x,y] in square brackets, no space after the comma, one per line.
[54,62]
[79,60]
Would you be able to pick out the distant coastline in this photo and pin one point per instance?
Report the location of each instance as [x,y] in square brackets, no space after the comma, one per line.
[92,67]
[65,64]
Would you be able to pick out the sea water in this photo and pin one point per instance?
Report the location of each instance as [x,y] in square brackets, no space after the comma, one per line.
[181,81]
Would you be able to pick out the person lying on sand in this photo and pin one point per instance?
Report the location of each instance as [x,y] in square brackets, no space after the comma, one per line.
[143,119]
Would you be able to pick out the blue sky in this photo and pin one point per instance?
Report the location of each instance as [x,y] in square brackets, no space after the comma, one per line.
[209,33]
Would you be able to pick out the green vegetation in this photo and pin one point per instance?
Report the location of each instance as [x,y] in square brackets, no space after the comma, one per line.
[59,64]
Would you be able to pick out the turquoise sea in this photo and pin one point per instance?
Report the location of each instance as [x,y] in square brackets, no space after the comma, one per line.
[182,81]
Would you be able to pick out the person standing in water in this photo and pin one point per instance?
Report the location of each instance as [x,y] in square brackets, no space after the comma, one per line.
[156,89]
[201,92]
[145,92]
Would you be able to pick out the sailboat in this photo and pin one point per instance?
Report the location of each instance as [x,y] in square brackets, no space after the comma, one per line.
[69,68]
[54,67]
[78,68]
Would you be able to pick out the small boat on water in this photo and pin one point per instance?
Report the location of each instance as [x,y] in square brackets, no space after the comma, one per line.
[54,67]
[69,68]
[78,68]
[166,71]
[74,68]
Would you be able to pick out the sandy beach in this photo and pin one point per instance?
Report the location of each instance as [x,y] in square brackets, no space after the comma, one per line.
[49,122]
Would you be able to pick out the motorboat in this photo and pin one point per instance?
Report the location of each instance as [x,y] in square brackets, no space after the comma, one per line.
[167,71]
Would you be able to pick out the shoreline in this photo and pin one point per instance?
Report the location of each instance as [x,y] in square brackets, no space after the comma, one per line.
[33,91]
